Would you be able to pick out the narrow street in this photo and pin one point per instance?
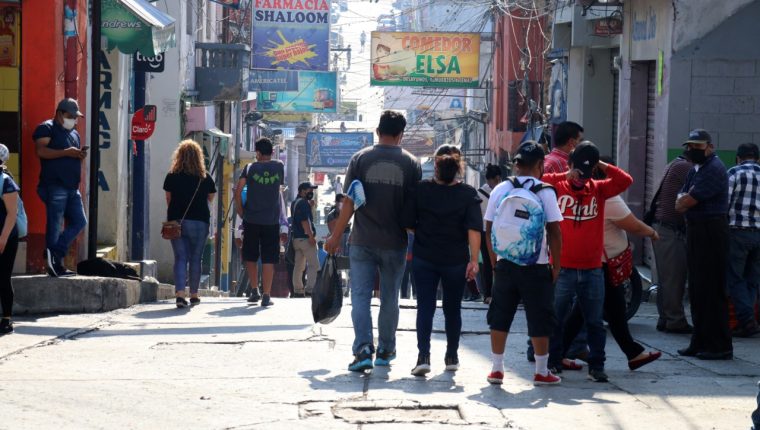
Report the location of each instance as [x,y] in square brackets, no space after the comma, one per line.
[227,365]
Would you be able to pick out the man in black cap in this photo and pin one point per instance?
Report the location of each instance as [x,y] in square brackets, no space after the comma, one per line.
[744,233]
[304,240]
[61,154]
[582,200]
[527,278]
[704,201]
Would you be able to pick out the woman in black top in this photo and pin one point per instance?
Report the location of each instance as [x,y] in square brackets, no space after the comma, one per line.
[446,219]
[8,240]
[189,190]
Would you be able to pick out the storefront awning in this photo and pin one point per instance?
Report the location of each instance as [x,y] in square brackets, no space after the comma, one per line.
[220,138]
[136,25]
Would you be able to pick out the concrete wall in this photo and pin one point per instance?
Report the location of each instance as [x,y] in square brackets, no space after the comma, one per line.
[696,18]
[719,84]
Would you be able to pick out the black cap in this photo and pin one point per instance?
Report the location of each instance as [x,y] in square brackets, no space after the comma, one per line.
[585,157]
[69,106]
[306,186]
[748,151]
[529,152]
[698,136]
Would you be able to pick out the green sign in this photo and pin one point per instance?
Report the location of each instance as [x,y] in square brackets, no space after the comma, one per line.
[150,33]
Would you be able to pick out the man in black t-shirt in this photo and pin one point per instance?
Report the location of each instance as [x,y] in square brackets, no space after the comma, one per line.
[304,240]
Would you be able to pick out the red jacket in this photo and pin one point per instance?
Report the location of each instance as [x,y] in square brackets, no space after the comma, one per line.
[583,210]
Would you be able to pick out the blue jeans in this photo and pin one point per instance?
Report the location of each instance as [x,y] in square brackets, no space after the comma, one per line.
[452,279]
[588,286]
[188,251]
[365,262]
[744,272]
[62,204]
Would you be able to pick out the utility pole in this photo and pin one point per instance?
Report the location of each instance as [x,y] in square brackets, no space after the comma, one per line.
[92,227]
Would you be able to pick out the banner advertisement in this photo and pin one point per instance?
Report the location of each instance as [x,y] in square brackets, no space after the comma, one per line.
[291,34]
[420,144]
[272,80]
[316,92]
[448,60]
[334,149]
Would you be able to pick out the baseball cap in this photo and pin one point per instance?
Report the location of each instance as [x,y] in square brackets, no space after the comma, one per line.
[306,186]
[529,152]
[4,153]
[69,106]
[585,157]
[698,135]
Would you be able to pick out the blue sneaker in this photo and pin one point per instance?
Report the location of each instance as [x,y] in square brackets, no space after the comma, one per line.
[362,361]
[384,357]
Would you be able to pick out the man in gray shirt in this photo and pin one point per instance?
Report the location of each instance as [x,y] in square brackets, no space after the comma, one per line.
[261,215]
[388,175]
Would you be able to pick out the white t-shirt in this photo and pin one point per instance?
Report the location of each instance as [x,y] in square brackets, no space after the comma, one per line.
[548,199]
[615,239]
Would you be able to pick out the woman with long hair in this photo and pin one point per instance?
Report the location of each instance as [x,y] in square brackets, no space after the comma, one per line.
[445,216]
[189,190]
[8,240]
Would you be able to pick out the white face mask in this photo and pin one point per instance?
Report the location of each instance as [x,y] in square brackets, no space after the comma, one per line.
[69,123]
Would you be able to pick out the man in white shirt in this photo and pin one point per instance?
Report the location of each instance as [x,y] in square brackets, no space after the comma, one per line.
[524,274]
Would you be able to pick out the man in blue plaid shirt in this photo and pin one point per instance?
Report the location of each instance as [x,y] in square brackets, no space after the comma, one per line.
[744,232]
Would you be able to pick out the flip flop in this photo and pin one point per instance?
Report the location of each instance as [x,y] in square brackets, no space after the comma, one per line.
[652,356]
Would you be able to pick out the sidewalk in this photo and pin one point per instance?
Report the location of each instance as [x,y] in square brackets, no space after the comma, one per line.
[228,365]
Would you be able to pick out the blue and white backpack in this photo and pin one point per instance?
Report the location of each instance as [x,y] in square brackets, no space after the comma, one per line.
[517,232]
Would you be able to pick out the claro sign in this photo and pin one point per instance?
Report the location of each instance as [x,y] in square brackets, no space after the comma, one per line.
[143,123]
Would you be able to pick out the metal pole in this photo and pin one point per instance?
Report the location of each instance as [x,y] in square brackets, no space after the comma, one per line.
[138,180]
[219,205]
[92,230]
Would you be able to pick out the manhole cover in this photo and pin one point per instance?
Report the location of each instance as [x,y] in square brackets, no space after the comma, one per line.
[397,412]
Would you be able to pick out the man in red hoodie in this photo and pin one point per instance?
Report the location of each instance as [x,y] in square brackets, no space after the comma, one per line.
[581,201]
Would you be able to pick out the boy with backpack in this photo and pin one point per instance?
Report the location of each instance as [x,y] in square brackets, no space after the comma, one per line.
[521,218]
[581,201]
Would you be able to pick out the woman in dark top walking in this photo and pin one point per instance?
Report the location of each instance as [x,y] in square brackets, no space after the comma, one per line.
[189,190]
[445,216]
[8,240]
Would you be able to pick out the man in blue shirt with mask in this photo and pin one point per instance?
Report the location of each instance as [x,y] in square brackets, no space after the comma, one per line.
[61,154]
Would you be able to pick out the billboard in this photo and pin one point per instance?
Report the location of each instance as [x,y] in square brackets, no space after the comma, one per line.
[420,143]
[272,80]
[316,92]
[334,149]
[448,60]
[291,34]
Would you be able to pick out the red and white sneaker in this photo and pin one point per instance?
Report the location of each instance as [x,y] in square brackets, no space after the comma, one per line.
[496,377]
[549,379]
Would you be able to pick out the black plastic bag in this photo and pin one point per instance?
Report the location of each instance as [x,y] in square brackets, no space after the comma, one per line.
[327,297]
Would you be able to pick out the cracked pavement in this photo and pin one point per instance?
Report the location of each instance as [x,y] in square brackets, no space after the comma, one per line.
[228,365]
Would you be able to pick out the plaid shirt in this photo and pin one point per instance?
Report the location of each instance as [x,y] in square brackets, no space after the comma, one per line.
[743,195]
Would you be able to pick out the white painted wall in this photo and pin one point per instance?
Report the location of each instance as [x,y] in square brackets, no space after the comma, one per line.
[695,18]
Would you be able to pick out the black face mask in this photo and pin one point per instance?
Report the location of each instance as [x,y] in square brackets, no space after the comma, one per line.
[309,195]
[696,156]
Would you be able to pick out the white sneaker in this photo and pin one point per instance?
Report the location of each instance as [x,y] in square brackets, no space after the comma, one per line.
[423,366]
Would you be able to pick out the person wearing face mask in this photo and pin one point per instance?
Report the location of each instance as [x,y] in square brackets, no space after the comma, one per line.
[566,137]
[61,154]
[304,241]
[704,201]
[582,200]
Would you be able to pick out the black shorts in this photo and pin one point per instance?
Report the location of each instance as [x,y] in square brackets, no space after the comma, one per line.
[532,284]
[261,241]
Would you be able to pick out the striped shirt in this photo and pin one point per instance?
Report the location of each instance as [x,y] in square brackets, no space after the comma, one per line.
[743,195]
[672,182]
[556,162]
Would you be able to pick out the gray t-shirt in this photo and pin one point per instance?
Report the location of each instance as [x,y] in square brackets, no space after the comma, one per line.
[262,204]
[388,175]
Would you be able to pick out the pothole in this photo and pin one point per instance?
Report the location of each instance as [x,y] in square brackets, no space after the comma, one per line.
[375,412]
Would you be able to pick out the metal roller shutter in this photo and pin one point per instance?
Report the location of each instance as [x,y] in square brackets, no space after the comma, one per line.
[615,100]
[650,187]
